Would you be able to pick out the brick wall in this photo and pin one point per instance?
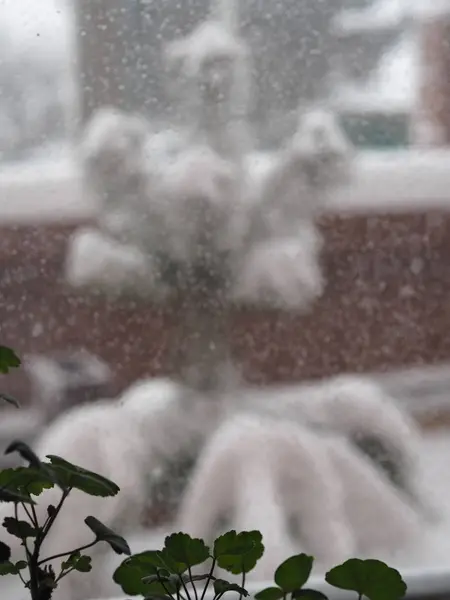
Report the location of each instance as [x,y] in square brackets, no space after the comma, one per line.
[433,127]
[386,305]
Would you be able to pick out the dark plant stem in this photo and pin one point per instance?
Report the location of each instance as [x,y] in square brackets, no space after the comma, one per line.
[63,554]
[193,583]
[30,515]
[184,584]
[33,579]
[51,519]
[242,584]
[161,581]
[63,574]
[208,581]
[33,558]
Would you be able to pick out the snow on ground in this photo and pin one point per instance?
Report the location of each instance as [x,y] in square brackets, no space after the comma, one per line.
[393,86]
[422,567]
[425,569]
[381,14]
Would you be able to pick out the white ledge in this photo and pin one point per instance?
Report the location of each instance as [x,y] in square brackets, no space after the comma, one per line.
[43,193]
[428,583]
[385,182]
[397,181]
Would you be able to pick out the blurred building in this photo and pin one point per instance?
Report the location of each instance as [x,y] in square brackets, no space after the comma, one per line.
[291,41]
[376,79]
[432,115]
[360,55]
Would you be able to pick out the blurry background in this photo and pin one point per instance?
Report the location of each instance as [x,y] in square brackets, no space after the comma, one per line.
[362,56]
[383,65]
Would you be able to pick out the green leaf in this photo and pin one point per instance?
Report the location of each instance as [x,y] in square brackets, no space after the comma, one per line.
[9,399]
[25,452]
[294,572]
[8,359]
[130,574]
[154,578]
[186,550]
[306,594]
[238,552]
[78,562]
[270,593]
[171,564]
[129,578]
[7,496]
[371,578]
[72,476]
[163,581]
[24,481]
[19,529]
[204,577]
[21,565]
[104,534]
[8,568]
[5,552]
[221,587]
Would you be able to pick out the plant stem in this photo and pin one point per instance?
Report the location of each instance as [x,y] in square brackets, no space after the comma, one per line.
[63,554]
[33,559]
[242,584]
[161,581]
[49,522]
[32,569]
[30,515]
[208,581]
[63,574]
[192,583]
[184,584]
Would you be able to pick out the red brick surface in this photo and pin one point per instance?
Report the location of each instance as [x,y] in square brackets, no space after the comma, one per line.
[376,313]
[435,84]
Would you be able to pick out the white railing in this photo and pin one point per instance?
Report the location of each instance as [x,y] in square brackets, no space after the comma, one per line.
[423,584]
[390,181]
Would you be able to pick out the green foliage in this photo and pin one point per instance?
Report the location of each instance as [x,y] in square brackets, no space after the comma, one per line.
[166,573]
[8,359]
[270,593]
[307,594]
[294,573]
[9,568]
[78,562]
[73,477]
[238,552]
[370,578]
[221,587]
[104,534]
[185,550]
[26,453]
[21,486]
[19,529]
[5,552]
